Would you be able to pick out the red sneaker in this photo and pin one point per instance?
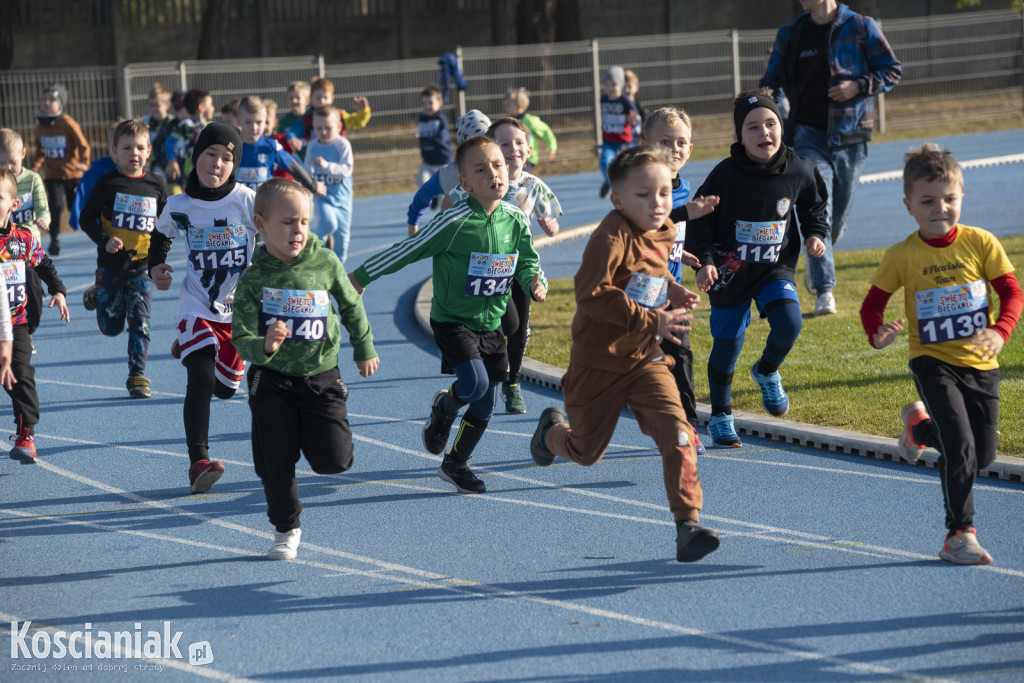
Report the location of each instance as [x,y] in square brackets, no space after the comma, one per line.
[203,474]
[24,446]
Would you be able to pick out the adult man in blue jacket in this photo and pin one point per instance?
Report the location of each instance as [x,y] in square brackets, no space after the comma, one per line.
[831,61]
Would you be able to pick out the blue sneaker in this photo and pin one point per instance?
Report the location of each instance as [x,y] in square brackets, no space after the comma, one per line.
[773,397]
[723,433]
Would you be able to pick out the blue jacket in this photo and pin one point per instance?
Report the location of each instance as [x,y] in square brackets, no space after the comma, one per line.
[97,170]
[857,51]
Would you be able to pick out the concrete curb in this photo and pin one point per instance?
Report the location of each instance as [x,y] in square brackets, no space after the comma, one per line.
[762,426]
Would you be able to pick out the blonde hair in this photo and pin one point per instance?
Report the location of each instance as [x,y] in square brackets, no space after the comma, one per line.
[272,190]
[160,93]
[930,163]
[10,140]
[321,84]
[521,96]
[251,105]
[271,107]
[631,77]
[8,177]
[300,87]
[665,115]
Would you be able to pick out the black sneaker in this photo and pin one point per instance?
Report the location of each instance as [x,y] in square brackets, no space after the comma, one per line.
[435,202]
[541,455]
[439,425]
[461,476]
[89,298]
[54,249]
[694,541]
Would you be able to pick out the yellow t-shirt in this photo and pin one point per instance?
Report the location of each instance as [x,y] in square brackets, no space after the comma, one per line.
[946,292]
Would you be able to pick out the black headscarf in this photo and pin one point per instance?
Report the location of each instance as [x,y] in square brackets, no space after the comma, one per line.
[216,133]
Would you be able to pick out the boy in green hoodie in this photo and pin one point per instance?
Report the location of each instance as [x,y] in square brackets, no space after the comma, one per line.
[284,324]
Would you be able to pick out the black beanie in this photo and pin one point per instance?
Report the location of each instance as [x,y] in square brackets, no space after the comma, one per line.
[749,104]
[219,133]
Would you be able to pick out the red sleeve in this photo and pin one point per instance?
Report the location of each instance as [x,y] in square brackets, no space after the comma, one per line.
[1011,301]
[872,311]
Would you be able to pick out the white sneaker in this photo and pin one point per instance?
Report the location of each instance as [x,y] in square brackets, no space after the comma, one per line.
[825,305]
[808,282]
[963,548]
[285,545]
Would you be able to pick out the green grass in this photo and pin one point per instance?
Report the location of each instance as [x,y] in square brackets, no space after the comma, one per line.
[832,376]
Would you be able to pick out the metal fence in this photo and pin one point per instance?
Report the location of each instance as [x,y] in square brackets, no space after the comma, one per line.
[955,68]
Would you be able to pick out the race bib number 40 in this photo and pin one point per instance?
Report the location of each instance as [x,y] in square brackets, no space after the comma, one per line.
[132,212]
[25,213]
[303,312]
[221,247]
[14,276]
[954,312]
[760,241]
[647,290]
[490,274]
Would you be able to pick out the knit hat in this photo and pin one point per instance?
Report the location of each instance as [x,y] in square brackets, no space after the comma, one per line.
[219,133]
[59,92]
[616,74]
[473,122]
[745,106]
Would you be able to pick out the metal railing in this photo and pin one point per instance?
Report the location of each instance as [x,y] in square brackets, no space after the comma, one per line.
[971,63]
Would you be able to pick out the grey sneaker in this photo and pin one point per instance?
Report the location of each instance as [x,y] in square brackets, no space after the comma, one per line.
[513,397]
[694,541]
[541,455]
[285,546]
[962,547]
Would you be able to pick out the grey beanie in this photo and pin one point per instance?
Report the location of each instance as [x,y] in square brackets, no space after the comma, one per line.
[616,74]
[59,92]
[473,122]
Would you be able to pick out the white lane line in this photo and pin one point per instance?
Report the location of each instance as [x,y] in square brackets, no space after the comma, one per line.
[132,654]
[970,163]
[462,586]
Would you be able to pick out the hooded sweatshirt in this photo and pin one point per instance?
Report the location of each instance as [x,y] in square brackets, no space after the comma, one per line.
[297,293]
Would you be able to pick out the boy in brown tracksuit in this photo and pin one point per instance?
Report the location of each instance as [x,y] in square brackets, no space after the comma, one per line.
[63,153]
[626,301]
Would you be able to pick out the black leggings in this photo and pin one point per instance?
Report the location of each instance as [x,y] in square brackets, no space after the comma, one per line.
[515,324]
[202,387]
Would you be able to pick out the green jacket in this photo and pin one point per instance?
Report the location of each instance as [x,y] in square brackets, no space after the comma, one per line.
[469,288]
[313,346]
[539,129]
[30,182]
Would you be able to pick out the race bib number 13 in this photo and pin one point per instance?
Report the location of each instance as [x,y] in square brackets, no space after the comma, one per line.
[14,276]
[304,313]
[954,312]
[490,274]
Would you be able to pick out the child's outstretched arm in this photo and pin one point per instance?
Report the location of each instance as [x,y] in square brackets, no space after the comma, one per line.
[354,320]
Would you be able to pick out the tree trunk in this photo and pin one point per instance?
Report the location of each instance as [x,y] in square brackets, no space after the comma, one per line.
[8,13]
[213,38]
[503,22]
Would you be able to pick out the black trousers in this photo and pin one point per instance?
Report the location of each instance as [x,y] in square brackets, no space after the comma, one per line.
[34,299]
[59,193]
[682,371]
[24,398]
[964,408]
[515,324]
[293,415]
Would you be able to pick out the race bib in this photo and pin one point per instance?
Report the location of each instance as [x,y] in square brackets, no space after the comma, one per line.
[303,312]
[221,247]
[253,175]
[132,212]
[954,312]
[328,179]
[54,146]
[14,276]
[676,254]
[490,274]
[759,242]
[25,213]
[647,290]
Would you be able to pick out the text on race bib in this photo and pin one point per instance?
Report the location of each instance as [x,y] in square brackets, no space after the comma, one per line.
[647,290]
[303,312]
[759,241]
[221,247]
[132,212]
[14,276]
[676,254]
[490,274]
[54,146]
[25,213]
[954,312]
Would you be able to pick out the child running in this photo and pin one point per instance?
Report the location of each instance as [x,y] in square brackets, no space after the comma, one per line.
[623,294]
[618,117]
[19,250]
[478,246]
[669,129]
[945,270]
[535,199]
[285,325]
[329,161]
[120,216]
[214,214]
[516,104]
[262,156]
[748,249]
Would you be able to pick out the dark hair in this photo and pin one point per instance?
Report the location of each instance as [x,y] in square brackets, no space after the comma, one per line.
[640,156]
[508,121]
[432,90]
[132,128]
[463,150]
[192,99]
